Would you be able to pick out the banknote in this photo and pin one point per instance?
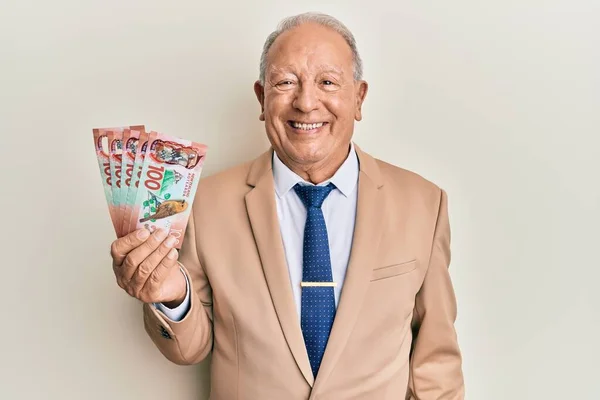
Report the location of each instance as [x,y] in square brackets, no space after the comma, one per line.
[115,151]
[130,142]
[104,142]
[139,149]
[139,163]
[101,145]
[167,186]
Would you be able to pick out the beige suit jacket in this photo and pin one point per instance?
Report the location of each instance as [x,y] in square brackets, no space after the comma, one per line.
[393,336]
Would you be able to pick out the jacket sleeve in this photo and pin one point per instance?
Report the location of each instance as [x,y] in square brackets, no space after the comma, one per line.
[436,361]
[189,340]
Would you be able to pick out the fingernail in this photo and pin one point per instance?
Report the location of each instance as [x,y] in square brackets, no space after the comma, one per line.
[170,241]
[161,234]
[143,234]
[172,254]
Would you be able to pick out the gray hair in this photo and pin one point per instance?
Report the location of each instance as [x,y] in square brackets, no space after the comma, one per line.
[318,18]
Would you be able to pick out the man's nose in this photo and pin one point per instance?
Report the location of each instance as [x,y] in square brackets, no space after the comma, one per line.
[307,98]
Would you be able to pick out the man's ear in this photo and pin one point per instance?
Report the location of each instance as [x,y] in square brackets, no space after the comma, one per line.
[361,92]
[260,95]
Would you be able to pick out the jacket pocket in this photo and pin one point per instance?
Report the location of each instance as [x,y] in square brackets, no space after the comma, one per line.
[393,270]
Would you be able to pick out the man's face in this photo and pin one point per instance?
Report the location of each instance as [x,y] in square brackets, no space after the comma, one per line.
[310,98]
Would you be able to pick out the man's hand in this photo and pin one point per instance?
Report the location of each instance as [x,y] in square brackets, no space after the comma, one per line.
[146,267]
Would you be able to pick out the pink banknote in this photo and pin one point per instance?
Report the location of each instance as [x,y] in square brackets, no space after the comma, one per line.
[135,148]
[167,185]
[107,144]
[115,151]
[129,142]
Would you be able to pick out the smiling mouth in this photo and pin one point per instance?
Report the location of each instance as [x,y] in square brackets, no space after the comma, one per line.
[301,126]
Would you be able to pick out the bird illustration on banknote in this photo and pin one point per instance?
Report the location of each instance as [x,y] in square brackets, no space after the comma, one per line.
[166,209]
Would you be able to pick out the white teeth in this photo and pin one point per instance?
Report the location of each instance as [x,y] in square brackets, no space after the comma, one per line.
[307,127]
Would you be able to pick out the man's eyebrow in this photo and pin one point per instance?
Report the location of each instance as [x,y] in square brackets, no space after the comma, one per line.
[290,69]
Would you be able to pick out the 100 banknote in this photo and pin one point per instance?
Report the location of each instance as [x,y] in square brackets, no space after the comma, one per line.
[150,179]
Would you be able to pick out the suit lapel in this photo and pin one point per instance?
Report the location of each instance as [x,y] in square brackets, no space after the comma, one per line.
[367,234]
[262,211]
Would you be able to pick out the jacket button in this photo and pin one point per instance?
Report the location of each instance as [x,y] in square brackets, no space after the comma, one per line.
[164,333]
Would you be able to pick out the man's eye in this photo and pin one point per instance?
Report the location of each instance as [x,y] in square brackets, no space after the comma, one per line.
[327,83]
[284,83]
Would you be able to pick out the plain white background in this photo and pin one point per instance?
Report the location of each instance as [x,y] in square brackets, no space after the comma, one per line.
[496,102]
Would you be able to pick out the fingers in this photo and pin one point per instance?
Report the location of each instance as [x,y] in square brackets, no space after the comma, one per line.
[121,247]
[154,289]
[149,264]
[136,256]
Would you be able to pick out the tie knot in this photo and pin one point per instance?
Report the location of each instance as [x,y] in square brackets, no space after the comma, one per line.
[313,196]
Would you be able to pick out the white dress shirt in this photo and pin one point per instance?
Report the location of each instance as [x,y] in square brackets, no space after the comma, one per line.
[339,211]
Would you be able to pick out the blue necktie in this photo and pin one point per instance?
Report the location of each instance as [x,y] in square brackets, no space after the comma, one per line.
[318,303]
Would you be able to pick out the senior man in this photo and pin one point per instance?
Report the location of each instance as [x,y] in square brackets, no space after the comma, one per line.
[314,271]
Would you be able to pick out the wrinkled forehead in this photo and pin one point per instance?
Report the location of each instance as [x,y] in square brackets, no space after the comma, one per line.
[310,49]
[308,67]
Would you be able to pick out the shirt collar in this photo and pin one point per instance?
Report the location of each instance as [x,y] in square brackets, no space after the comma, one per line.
[344,179]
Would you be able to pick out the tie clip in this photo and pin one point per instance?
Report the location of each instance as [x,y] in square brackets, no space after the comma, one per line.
[318,284]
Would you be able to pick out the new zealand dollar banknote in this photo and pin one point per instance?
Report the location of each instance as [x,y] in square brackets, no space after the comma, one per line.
[149,179]
[106,139]
[167,184]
